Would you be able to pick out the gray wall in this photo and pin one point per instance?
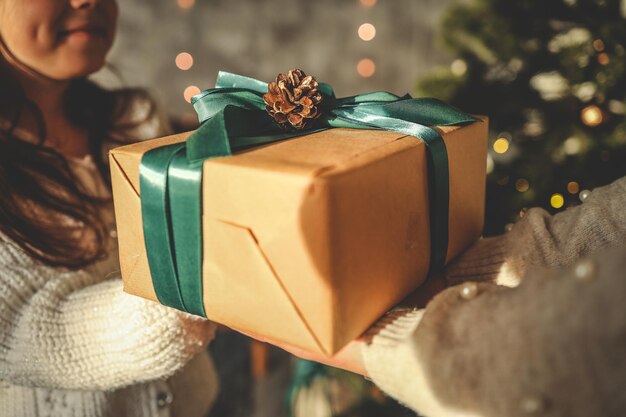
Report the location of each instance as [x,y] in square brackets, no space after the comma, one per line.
[261,38]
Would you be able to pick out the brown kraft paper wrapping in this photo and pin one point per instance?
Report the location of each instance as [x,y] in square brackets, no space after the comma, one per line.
[308,241]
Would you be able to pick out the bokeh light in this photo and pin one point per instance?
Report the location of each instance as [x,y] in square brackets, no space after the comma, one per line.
[501,145]
[573,187]
[591,116]
[186,4]
[598,45]
[557,200]
[458,67]
[603,58]
[522,185]
[573,145]
[367,3]
[367,31]
[189,92]
[366,68]
[184,61]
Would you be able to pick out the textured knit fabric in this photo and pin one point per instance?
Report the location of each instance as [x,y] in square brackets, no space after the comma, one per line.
[72,343]
[541,330]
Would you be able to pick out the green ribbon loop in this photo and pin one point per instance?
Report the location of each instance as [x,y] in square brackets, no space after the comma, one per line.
[232,117]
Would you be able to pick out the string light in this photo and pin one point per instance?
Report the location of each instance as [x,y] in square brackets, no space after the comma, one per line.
[367,3]
[603,58]
[598,45]
[522,185]
[184,61]
[366,68]
[367,31]
[572,145]
[458,67]
[591,116]
[617,107]
[189,92]
[501,145]
[557,200]
[186,4]
[573,187]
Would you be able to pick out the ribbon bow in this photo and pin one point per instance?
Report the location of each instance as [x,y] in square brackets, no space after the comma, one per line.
[233,117]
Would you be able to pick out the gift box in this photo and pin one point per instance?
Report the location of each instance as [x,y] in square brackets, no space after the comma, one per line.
[306,226]
[309,240]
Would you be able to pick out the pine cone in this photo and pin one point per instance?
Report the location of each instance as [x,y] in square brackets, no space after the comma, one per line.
[293,99]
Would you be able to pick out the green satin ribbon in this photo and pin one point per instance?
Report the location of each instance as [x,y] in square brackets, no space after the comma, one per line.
[232,117]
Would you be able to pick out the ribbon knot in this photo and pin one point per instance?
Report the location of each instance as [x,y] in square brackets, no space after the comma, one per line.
[232,117]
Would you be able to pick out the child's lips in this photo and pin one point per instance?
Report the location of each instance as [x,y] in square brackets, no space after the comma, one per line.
[83,31]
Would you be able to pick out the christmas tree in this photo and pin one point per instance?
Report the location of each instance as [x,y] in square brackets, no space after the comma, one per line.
[551,76]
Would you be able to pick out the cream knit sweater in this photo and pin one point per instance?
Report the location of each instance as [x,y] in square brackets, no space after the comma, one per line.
[539,331]
[72,343]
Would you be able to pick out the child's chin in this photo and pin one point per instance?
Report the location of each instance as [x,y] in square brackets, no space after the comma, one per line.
[77,69]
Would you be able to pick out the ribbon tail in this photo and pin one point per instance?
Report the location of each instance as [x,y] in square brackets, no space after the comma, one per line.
[427,112]
[230,80]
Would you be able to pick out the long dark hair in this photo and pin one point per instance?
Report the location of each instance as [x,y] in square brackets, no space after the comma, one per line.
[37,186]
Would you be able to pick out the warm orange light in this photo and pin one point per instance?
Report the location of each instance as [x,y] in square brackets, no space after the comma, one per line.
[603,58]
[367,31]
[368,3]
[184,61]
[366,68]
[186,4]
[598,45]
[190,91]
[522,185]
[573,187]
[591,116]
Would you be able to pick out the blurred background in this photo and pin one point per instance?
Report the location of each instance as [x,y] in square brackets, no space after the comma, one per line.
[550,74]
[171,46]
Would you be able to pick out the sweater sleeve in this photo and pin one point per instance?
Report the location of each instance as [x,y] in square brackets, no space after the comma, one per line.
[508,349]
[541,240]
[77,330]
[554,346]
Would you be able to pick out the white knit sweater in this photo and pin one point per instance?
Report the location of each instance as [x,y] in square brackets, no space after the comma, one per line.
[72,343]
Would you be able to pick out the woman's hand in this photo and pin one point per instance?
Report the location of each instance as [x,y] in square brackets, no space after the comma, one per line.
[350,358]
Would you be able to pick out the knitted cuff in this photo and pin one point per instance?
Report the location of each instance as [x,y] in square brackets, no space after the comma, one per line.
[484,261]
[389,356]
